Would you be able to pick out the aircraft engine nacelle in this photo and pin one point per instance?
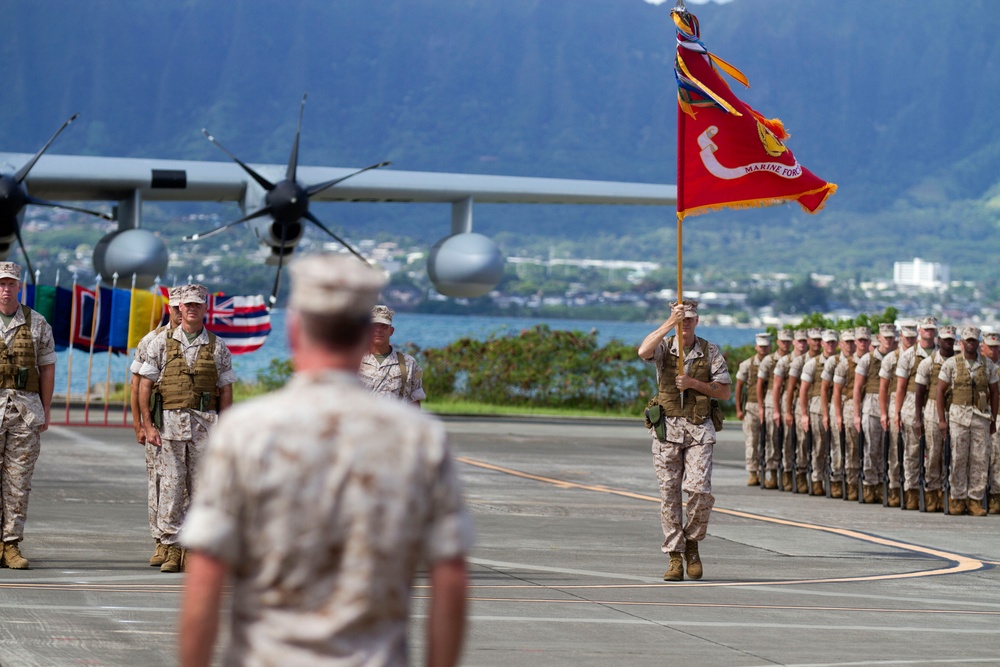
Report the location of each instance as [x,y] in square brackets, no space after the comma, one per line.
[131,251]
[268,233]
[465,265]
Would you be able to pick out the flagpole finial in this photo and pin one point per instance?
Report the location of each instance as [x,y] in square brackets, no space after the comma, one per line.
[680,5]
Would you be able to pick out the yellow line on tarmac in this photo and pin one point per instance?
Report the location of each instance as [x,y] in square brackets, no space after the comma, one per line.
[957,563]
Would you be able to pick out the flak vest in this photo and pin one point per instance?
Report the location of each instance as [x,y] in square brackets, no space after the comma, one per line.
[933,380]
[18,365]
[911,383]
[968,387]
[192,387]
[872,381]
[816,383]
[698,410]
[752,379]
[852,365]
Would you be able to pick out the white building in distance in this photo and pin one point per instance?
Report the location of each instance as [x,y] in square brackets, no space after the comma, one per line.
[921,274]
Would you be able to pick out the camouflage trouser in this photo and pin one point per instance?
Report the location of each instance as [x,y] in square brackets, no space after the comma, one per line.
[994,477]
[176,467]
[751,437]
[801,446]
[894,462]
[820,446]
[19,447]
[874,447]
[683,466]
[911,457]
[969,452]
[152,489]
[850,448]
[932,456]
[771,444]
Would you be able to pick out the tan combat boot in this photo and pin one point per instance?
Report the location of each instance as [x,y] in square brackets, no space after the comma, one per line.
[173,561]
[912,499]
[994,503]
[754,480]
[930,500]
[852,490]
[693,560]
[976,507]
[12,557]
[894,498]
[836,490]
[869,494]
[159,555]
[956,507]
[802,484]
[786,481]
[817,489]
[771,480]
[675,571]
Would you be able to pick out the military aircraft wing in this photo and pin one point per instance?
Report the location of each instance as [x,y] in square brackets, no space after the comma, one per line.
[86,178]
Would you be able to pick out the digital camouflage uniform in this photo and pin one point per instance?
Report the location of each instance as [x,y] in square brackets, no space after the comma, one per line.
[933,437]
[324,510]
[747,373]
[153,482]
[969,429]
[906,369]
[811,381]
[868,369]
[683,462]
[765,373]
[843,376]
[184,430]
[801,440]
[21,416]
[888,372]
[782,371]
[386,378]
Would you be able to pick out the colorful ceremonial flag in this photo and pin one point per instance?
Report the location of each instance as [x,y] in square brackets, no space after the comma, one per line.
[729,155]
[110,329]
[243,322]
[145,314]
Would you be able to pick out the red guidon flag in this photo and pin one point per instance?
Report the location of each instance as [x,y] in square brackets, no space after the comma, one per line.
[728,154]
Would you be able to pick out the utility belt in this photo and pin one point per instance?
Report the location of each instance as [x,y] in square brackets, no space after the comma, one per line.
[656,415]
[204,401]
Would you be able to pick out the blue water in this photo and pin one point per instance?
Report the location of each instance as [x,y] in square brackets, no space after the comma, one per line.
[425,331]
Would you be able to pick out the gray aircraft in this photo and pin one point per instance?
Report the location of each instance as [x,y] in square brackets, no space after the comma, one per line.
[275,200]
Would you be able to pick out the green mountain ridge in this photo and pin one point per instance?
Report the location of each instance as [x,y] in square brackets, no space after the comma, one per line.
[891,100]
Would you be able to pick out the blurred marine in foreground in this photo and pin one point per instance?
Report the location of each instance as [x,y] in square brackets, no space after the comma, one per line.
[320,501]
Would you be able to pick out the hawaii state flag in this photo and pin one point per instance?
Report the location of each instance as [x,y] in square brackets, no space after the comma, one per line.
[729,155]
[243,322]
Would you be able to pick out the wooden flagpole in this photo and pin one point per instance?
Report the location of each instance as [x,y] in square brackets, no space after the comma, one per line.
[680,227]
[107,371]
[127,403]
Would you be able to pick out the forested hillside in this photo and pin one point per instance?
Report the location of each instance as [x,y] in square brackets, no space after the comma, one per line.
[893,100]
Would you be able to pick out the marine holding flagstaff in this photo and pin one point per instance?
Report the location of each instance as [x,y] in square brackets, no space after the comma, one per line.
[683,419]
[190,369]
[27,377]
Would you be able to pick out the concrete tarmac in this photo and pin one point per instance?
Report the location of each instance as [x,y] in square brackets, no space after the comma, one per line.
[567,567]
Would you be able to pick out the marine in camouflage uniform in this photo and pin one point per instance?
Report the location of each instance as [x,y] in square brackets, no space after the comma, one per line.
[813,403]
[927,417]
[766,399]
[25,401]
[866,392]
[785,381]
[906,408]
[682,459]
[798,411]
[971,421]
[991,348]
[887,407]
[192,370]
[320,503]
[152,480]
[747,407]
[842,424]
[386,371]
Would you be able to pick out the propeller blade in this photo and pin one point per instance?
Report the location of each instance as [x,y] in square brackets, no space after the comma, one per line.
[320,187]
[277,276]
[256,214]
[23,171]
[24,251]
[293,160]
[263,182]
[51,204]
[342,242]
